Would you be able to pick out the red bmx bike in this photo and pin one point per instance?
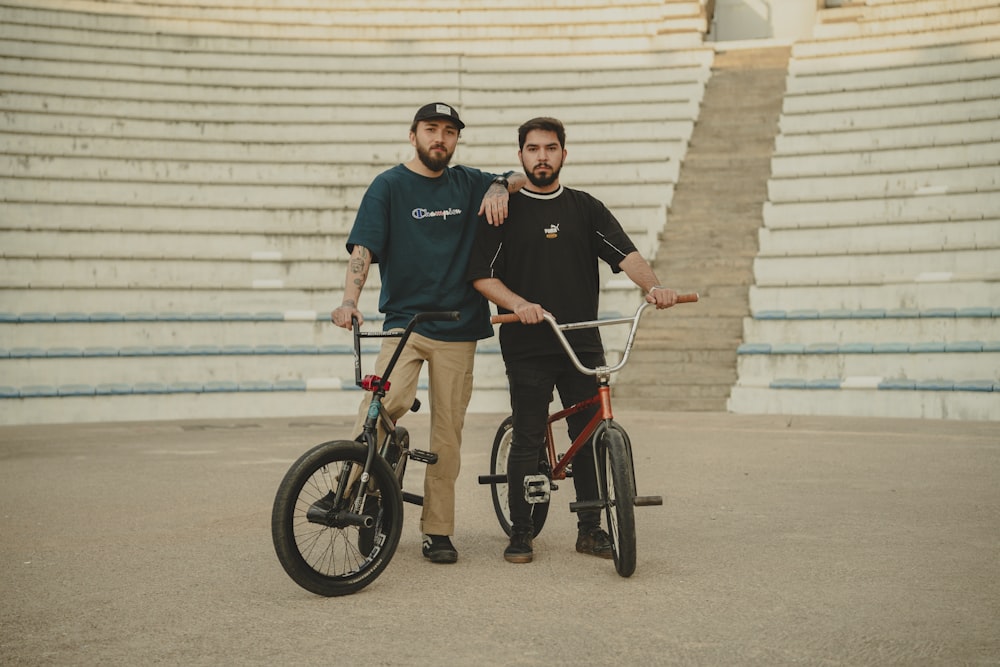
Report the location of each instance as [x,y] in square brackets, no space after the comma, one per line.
[611,446]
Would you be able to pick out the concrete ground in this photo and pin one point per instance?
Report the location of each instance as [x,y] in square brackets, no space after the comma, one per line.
[782,541]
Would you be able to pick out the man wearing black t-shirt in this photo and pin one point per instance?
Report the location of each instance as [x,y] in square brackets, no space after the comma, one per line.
[547,261]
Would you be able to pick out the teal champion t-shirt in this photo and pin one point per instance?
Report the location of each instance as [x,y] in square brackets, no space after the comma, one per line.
[420,231]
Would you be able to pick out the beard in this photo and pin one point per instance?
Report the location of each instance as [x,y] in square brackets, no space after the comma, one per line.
[543,181]
[431,162]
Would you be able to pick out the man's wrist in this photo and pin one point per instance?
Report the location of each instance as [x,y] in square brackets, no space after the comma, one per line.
[502,180]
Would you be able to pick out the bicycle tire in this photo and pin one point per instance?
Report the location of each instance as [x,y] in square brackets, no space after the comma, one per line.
[498,466]
[628,448]
[618,490]
[339,558]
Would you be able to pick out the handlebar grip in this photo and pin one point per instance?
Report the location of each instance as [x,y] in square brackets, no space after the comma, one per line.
[687,298]
[450,315]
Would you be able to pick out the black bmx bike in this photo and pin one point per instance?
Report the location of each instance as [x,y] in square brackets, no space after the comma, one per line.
[338,513]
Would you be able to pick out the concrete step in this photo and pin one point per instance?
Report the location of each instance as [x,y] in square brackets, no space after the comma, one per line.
[923,158]
[965,405]
[890,238]
[935,118]
[927,206]
[955,365]
[200,367]
[109,244]
[871,330]
[940,293]
[171,32]
[679,404]
[138,217]
[250,404]
[928,55]
[881,268]
[188,299]
[355,26]
[943,21]
[903,41]
[874,79]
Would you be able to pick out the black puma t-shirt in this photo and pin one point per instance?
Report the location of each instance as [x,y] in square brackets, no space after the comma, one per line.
[547,252]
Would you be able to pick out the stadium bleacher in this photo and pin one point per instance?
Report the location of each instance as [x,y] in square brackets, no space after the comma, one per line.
[177,181]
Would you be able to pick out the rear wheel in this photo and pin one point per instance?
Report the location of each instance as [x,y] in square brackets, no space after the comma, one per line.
[617,486]
[498,466]
[332,533]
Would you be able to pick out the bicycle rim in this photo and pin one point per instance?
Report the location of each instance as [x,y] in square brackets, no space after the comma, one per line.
[615,473]
[335,557]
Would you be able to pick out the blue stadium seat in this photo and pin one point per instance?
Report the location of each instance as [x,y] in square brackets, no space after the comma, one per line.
[150,388]
[221,386]
[107,317]
[114,389]
[76,390]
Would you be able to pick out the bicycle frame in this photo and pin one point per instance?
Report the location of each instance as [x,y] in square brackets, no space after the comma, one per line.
[603,374]
[379,386]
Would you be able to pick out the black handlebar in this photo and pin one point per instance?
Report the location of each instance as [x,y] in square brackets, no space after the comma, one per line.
[433,316]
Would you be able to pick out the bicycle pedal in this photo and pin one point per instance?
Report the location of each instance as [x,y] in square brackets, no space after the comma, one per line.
[644,501]
[423,456]
[537,489]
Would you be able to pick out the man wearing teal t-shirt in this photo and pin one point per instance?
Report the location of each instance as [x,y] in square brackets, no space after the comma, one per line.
[417,221]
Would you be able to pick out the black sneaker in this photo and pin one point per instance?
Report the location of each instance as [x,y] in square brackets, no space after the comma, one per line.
[595,542]
[519,550]
[438,549]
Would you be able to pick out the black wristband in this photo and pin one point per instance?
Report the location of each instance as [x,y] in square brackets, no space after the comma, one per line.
[500,180]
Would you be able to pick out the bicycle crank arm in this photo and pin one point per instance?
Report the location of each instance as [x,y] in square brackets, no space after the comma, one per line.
[493,479]
[583,505]
[340,519]
[412,498]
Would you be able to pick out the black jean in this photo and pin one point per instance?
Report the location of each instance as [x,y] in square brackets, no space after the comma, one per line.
[531,384]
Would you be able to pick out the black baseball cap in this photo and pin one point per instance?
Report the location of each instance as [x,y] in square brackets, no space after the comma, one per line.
[439,110]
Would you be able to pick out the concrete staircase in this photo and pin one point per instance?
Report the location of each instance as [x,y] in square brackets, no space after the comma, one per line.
[685,359]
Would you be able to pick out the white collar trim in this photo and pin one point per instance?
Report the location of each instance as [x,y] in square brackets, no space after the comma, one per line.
[541,195]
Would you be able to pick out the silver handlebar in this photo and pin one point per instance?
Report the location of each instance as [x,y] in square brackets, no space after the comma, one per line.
[604,372]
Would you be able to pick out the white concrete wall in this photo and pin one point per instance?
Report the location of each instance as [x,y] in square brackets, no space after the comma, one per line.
[762,19]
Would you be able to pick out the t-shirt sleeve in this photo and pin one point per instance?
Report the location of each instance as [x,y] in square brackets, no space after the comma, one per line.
[613,244]
[371,224]
[486,258]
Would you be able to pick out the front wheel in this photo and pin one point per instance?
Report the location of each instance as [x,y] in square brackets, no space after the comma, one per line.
[498,466]
[334,534]
[618,488]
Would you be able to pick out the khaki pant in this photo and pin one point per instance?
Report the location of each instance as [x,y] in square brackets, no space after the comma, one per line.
[449,367]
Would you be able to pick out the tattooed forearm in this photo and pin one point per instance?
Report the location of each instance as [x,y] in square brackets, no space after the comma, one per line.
[358,265]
